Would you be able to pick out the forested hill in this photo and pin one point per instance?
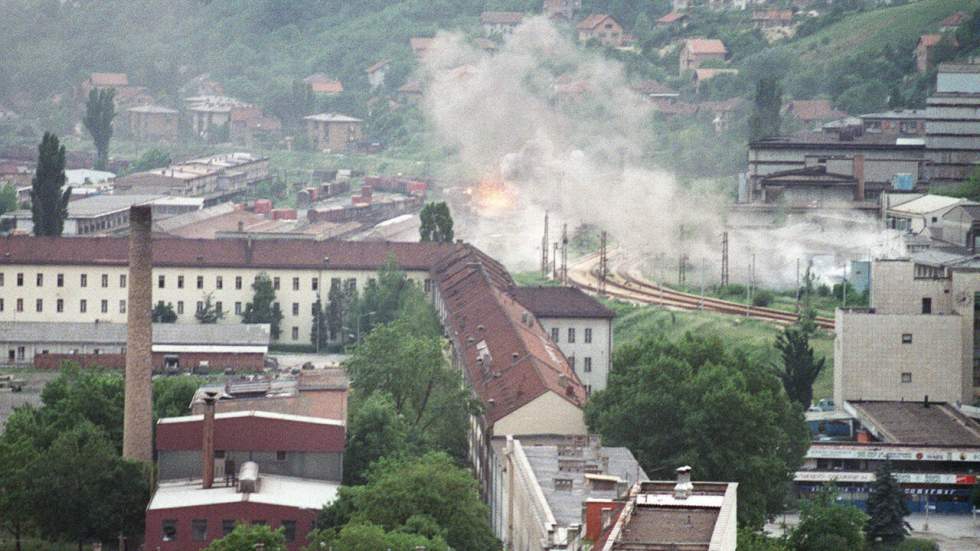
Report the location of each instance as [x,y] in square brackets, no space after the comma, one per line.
[252,45]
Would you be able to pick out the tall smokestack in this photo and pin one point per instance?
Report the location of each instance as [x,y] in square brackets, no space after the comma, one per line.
[859,177]
[207,449]
[138,417]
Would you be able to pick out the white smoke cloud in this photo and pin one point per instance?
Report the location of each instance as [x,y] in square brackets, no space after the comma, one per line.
[561,125]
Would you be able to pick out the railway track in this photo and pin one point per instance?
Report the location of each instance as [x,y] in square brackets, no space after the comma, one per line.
[624,285]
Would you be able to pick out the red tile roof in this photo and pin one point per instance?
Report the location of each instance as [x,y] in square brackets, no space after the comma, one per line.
[322,84]
[672,17]
[501,17]
[772,15]
[109,79]
[652,87]
[377,66]
[508,358]
[930,40]
[593,21]
[808,110]
[561,302]
[223,253]
[705,46]
[954,20]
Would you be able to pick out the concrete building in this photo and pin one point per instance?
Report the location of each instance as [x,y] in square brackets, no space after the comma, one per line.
[952,124]
[603,28]
[934,450]
[523,380]
[919,336]
[917,212]
[101,214]
[257,467]
[695,51]
[497,23]
[579,324]
[214,179]
[186,270]
[152,123]
[175,346]
[332,132]
[313,393]
[547,487]
[658,515]
[907,122]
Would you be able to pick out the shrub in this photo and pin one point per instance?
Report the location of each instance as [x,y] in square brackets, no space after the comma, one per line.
[917,544]
[823,290]
[762,298]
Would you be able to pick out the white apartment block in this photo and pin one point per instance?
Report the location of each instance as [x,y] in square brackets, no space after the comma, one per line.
[84,279]
[920,336]
[581,327]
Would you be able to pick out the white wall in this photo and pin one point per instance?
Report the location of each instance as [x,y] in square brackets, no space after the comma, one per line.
[599,350]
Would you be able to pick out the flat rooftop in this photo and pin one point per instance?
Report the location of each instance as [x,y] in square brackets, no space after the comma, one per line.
[689,529]
[225,334]
[285,491]
[939,424]
[566,505]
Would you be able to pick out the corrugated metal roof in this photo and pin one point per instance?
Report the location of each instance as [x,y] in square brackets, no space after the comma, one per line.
[927,204]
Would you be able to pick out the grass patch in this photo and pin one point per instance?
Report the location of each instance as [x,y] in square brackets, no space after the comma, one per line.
[533,279]
[633,322]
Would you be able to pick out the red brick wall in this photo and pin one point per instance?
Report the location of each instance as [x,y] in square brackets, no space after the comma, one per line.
[255,434]
[55,361]
[273,515]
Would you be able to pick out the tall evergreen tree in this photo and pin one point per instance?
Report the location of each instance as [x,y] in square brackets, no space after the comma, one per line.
[263,308]
[765,119]
[799,367]
[49,203]
[886,509]
[99,112]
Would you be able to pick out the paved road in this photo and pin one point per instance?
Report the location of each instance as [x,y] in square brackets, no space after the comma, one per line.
[951,532]
[31,394]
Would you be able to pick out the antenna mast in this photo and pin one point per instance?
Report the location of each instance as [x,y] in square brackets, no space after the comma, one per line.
[544,248]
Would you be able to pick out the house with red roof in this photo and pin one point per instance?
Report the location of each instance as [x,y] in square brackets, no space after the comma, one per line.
[500,22]
[925,50]
[603,28]
[953,22]
[812,111]
[324,85]
[673,18]
[770,19]
[696,51]
[376,73]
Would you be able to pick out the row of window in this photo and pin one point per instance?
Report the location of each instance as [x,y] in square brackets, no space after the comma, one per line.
[586,364]
[199,529]
[60,280]
[59,306]
[571,335]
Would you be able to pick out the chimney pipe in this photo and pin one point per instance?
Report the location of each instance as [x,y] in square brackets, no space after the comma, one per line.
[207,447]
[138,416]
[683,488]
[858,172]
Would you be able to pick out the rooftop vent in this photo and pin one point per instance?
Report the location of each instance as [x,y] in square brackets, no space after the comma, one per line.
[248,478]
[683,488]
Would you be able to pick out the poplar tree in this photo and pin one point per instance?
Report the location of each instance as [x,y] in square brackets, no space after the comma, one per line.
[799,367]
[99,112]
[765,119]
[436,223]
[263,308]
[49,203]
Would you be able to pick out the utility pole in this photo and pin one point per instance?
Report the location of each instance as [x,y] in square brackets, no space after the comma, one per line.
[748,293]
[724,259]
[603,264]
[797,284]
[682,270]
[843,288]
[544,248]
[564,254]
[554,263]
[701,304]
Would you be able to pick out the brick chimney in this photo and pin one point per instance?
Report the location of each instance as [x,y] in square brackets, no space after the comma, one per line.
[138,415]
[858,172]
[207,446]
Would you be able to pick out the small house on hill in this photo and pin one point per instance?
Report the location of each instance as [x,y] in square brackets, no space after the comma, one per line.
[673,18]
[324,85]
[696,51]
[500,22]
[601,27]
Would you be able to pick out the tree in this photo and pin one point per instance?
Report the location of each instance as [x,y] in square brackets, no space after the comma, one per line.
[209,312]
[426,392]
[703,404]
[970,189]
[150,159]
[17,455]
[436,223]
[99,112]
[78,395]
[428,495]
[387,296]
[886,509]
[8,198]
[164,313]
[263,308]
[375,430]
[246,537]
[828,526]
[799,366]
[750,540]
[320,328]
[172,395]
[765,119]
[336,312]
[365,536]
[49,203]
[84,491]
